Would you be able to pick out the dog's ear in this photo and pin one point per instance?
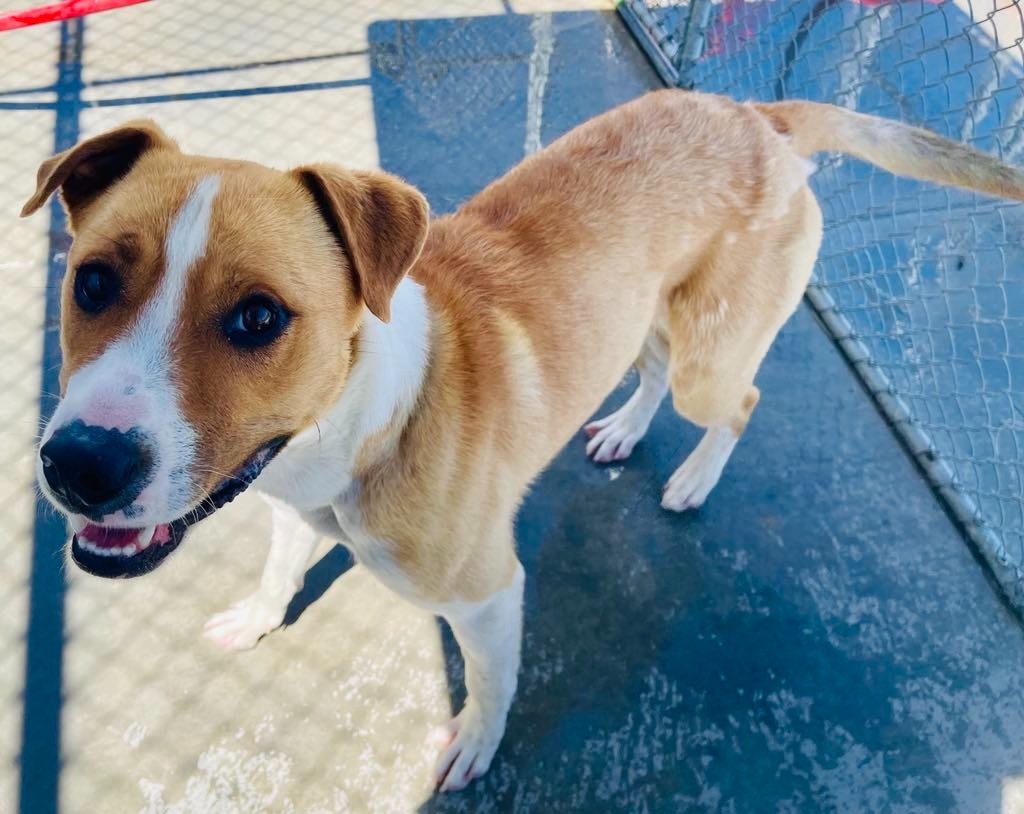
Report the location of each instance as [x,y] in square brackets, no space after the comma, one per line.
[90,167]
[380,222]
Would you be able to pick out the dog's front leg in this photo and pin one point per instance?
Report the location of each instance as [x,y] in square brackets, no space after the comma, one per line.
[292,542]
[489,634]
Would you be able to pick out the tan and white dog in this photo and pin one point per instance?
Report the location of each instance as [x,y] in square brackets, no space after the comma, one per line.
[397,383]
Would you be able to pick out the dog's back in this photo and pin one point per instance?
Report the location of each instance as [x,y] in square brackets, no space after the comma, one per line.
[678,226]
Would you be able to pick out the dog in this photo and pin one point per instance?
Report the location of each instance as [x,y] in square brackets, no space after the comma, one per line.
[396,383]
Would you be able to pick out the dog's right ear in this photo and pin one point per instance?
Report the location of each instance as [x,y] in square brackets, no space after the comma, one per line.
[378,220]
[92,166]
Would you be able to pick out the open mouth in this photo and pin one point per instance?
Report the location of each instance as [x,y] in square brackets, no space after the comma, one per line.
[125,552]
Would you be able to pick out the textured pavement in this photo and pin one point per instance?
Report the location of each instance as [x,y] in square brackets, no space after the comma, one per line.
[818,637]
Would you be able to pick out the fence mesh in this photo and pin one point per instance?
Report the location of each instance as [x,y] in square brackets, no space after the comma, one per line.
[923,286]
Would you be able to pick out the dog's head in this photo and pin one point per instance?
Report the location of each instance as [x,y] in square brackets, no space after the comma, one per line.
[207,316]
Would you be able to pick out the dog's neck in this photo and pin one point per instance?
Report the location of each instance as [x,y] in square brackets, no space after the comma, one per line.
[390,364]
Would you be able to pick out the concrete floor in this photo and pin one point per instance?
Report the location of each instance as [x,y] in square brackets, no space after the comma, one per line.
[817,638]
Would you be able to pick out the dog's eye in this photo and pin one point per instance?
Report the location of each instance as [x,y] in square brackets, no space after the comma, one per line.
[255,321]
[96,287]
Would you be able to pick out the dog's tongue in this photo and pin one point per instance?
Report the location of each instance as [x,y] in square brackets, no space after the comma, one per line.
[128,540]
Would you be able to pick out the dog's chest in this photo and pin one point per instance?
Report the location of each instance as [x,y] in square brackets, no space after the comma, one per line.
[321,487]
[374,553]
[308,474]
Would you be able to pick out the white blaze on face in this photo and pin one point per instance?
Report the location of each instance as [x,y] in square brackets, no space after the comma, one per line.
[184,245]
[131,384]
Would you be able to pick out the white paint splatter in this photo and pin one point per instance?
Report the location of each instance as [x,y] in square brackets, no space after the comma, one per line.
[1002,63]
[540,62]
[134,734]
[264,729]
[228,781]
[855,70]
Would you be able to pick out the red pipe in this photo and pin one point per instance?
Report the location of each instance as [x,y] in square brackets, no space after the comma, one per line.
[59,11]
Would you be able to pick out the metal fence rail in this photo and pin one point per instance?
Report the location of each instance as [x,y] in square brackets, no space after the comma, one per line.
[923,287]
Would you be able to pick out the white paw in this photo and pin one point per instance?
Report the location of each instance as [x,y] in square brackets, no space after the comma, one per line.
[613,437]
[688,487]
[692,482]
[242,625]
[467,743]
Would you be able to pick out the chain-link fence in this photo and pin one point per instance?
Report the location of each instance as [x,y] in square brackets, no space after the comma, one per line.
[107,700]
[923,287]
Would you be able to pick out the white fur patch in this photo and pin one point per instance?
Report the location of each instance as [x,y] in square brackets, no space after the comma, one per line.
[184,245]
[394,356]
[316,466]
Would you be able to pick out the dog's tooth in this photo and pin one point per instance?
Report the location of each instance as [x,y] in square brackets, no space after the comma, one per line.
[145,538]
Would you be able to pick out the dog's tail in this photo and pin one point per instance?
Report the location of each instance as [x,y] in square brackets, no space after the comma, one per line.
[893,146]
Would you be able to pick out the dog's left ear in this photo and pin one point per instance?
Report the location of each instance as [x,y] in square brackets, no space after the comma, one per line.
[380,222]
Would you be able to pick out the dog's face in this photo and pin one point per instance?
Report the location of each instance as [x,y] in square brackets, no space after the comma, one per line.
[207,316]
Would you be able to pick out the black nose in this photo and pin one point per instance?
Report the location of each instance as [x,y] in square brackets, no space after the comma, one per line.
[95,471]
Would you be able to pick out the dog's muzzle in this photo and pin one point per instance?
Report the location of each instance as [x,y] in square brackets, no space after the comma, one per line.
[125,552]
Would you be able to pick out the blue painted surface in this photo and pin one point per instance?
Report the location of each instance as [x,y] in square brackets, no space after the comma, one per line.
[817,638]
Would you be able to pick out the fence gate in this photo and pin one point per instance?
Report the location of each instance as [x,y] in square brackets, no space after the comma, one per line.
[922,287]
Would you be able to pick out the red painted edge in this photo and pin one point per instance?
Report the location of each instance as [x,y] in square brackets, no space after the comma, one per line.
[59,11]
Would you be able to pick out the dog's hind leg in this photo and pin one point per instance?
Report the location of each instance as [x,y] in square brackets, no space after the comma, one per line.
[292,543]
[692,482]
[721,321]
[613,437]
